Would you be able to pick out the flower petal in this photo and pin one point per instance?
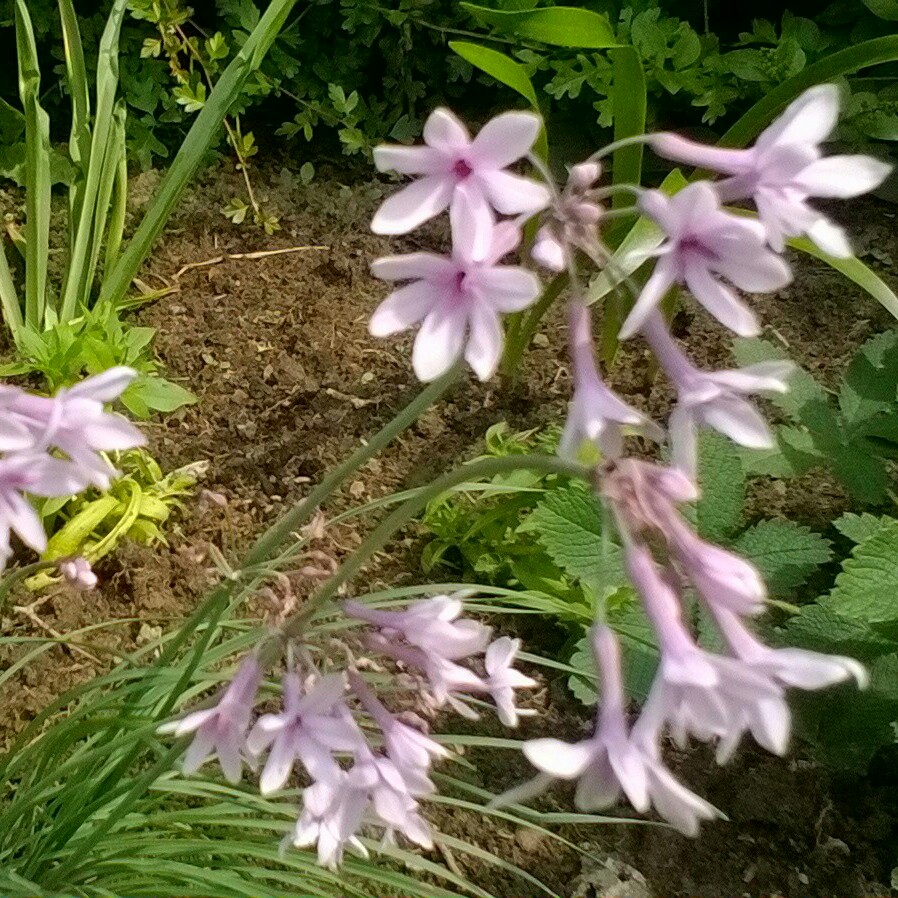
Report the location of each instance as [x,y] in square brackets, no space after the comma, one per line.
[653,292]
[513,194]
[472,223]
[507,288]
[106,386]
[413,205]
[403,308]
[830,238]
[721,302]
[409,160]
[412,267]
[761,272]
[439,343]
[809,119]
[504,139]
[444,131]
[564,760]
[842,176]
[738,420]
[485,341]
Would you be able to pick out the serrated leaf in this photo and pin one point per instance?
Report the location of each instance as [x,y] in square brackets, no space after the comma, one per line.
[785,553]
[867,587]
[824,630]
[870,386]
[859,527]
[722,482]
[568,525]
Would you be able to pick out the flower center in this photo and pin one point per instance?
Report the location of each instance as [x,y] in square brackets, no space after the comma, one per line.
[461,169]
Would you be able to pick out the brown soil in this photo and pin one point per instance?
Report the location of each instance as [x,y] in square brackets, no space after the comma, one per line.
[289,381]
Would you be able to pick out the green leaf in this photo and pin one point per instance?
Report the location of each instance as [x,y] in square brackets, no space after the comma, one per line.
[785,553]
[629,98]
[824,630]
[859,527]
[722,483]
[832,66]
[568,525]
[870,387]
[561,26]
[161,395]
[867,587]
[885,9]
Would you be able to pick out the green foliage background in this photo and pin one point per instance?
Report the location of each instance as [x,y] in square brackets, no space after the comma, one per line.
[355,72]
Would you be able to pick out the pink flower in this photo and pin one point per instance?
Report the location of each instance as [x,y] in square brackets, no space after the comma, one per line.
[610,762]
[75,422]
[705,243]
[222,728]
[713,398]
[722,578]
[391,798]
[796,668]
[40,475]
[785,168]
[596,413]
[431,624]
[77,572]
[451,162]
[458,299]
[503,679]
[332,812]
[696,692]
[309,730]
[573,221]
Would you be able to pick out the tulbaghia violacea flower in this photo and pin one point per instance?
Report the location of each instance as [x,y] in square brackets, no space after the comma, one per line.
[451,163]
[410,750]
[573,221]
[332,812]
[791,668]
[75,423]
[785,168]
[308,730]
[222,729]
[703,244]
[713,398]
[695,691]
[610,762]
[458,299]
[77,572]
[596,413]
[392,800]
[502,679]
[40,475]
[432,625]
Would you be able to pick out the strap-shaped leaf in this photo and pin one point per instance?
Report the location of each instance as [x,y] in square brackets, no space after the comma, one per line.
[561,26]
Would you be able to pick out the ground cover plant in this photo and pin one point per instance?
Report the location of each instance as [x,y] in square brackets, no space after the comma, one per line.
[332,705]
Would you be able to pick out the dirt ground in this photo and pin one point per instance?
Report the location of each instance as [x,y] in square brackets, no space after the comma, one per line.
[277,349]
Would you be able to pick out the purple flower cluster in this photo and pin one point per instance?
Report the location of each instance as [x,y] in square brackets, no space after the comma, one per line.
[363,764]
[354,782]
[52,446]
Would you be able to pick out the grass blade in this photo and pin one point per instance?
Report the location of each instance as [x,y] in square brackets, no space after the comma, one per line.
[79,91]
[119,197]
[629,101]
[79,279]
[37,169]
[9,299]
[206,128]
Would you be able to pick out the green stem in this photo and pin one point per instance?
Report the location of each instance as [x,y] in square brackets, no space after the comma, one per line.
[519,339]
[378,538]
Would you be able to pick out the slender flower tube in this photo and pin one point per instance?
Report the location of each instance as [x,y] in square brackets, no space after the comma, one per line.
[596,413]
[713,398]
[221,730]
[705,243]
[458,299]
[451,163]
[785,168]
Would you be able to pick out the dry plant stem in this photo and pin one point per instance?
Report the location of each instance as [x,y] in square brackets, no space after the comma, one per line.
[237,257]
